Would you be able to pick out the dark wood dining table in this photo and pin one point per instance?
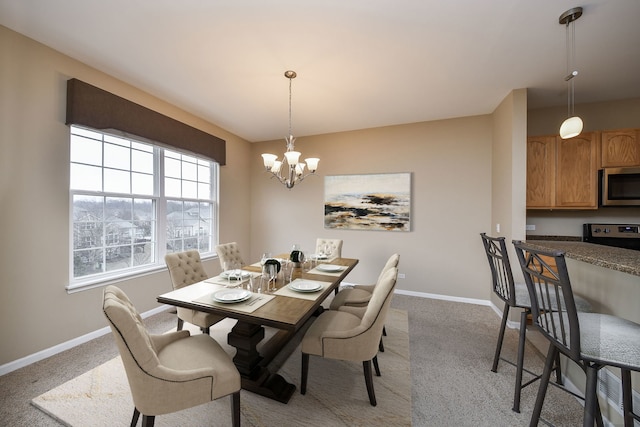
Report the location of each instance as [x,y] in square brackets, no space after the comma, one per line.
[284,313]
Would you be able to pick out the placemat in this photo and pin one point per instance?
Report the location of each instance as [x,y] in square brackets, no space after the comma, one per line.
[311,296]
[249,306]
[327,273]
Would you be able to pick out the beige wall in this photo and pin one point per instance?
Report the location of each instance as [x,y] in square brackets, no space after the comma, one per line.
[36,312]
[508,200]
[450,163]
[596,116]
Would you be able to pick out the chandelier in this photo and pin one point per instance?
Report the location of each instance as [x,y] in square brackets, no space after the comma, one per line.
[289,170]
[572,126]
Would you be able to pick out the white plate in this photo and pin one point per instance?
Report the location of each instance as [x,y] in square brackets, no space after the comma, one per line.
[231,295]
[225,275]
[304,286]
[330,268]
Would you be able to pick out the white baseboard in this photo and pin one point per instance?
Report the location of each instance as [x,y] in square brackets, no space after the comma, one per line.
[41,355]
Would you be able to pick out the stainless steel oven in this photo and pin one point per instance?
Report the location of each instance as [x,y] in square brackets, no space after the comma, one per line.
[620,187]
[619,235]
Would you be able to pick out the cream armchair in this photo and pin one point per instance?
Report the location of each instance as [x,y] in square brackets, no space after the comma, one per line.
[359,295]
[168,372]
[229,252]
[347,336]
[185,268]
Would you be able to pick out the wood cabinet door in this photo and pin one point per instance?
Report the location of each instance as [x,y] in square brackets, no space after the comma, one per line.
[576,176]
[620,148]
[541,171]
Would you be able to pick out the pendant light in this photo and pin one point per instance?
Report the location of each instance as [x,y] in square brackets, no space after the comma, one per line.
[293,168]
[572,126]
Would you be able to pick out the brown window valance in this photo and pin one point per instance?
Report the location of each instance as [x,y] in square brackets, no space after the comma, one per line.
[93,107]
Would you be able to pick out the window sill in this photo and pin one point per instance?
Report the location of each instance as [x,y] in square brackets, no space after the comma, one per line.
[103,281]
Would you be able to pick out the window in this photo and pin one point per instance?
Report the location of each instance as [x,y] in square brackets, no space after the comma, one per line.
[133,202]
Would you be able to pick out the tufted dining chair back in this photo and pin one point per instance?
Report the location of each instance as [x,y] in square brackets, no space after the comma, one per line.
[335,246]
[229,252]
[185,268]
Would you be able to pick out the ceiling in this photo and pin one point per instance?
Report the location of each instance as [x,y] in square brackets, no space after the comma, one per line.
[360,63]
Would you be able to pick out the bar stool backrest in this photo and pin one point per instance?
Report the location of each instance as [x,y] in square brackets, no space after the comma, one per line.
[501,274]
[552,301]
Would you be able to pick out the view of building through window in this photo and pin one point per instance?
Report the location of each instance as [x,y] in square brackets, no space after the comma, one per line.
[133,202]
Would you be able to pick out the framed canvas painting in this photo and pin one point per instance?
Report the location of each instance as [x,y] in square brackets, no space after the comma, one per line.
[368,202]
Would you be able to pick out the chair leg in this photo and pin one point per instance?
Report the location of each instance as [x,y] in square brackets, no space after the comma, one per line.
[205,330]
[520,363]
[544,383]
[384,331]
[376,366]
[235,409]
[590,395]
[136,416]
[503,325]
[305,372]
[381,346]
[627,398]
[368,379]
[558,371]
[148,420]
[180,324]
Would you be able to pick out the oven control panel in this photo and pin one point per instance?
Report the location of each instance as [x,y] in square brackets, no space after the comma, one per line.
[620,231]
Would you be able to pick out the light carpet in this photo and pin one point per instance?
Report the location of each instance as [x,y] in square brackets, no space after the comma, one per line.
[336,392]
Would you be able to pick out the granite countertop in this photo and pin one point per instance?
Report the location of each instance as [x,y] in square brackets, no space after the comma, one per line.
[624,260]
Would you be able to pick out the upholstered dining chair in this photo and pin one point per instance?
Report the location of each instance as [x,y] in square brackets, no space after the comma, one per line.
[346,336]
[591,340]
[169,372]
[334,245]
[185,268]
[359,295]
[514,295]
[229,253]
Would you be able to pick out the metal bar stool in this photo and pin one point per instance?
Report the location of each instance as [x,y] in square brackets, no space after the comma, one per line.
[514,295]
[592,340]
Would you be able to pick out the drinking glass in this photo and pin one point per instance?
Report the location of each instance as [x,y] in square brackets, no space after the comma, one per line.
[236,273]
[272,274]
[228,271]
[265,257]
[287,271]
[328,251]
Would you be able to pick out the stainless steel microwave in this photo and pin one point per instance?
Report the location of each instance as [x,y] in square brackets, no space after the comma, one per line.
[621,186]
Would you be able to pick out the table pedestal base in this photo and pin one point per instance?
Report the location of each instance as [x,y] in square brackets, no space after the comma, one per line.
[252,365]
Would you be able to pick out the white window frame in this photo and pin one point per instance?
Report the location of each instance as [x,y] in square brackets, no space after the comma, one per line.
[160,249]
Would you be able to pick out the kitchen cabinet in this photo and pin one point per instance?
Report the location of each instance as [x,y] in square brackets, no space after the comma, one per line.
[620,148]
[562,173]
[541,171]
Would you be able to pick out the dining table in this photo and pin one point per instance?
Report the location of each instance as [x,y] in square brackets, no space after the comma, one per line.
[287,308]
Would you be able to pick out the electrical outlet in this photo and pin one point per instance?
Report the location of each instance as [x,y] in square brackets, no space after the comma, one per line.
[531,227]
[497,228]
[401,276]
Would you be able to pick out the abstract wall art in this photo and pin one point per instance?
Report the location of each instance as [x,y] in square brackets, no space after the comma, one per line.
[379,202]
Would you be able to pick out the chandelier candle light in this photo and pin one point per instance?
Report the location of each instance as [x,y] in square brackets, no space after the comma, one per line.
[572,126]
[294,169]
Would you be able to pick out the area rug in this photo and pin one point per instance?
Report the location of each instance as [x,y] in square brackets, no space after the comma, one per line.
[336,392]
